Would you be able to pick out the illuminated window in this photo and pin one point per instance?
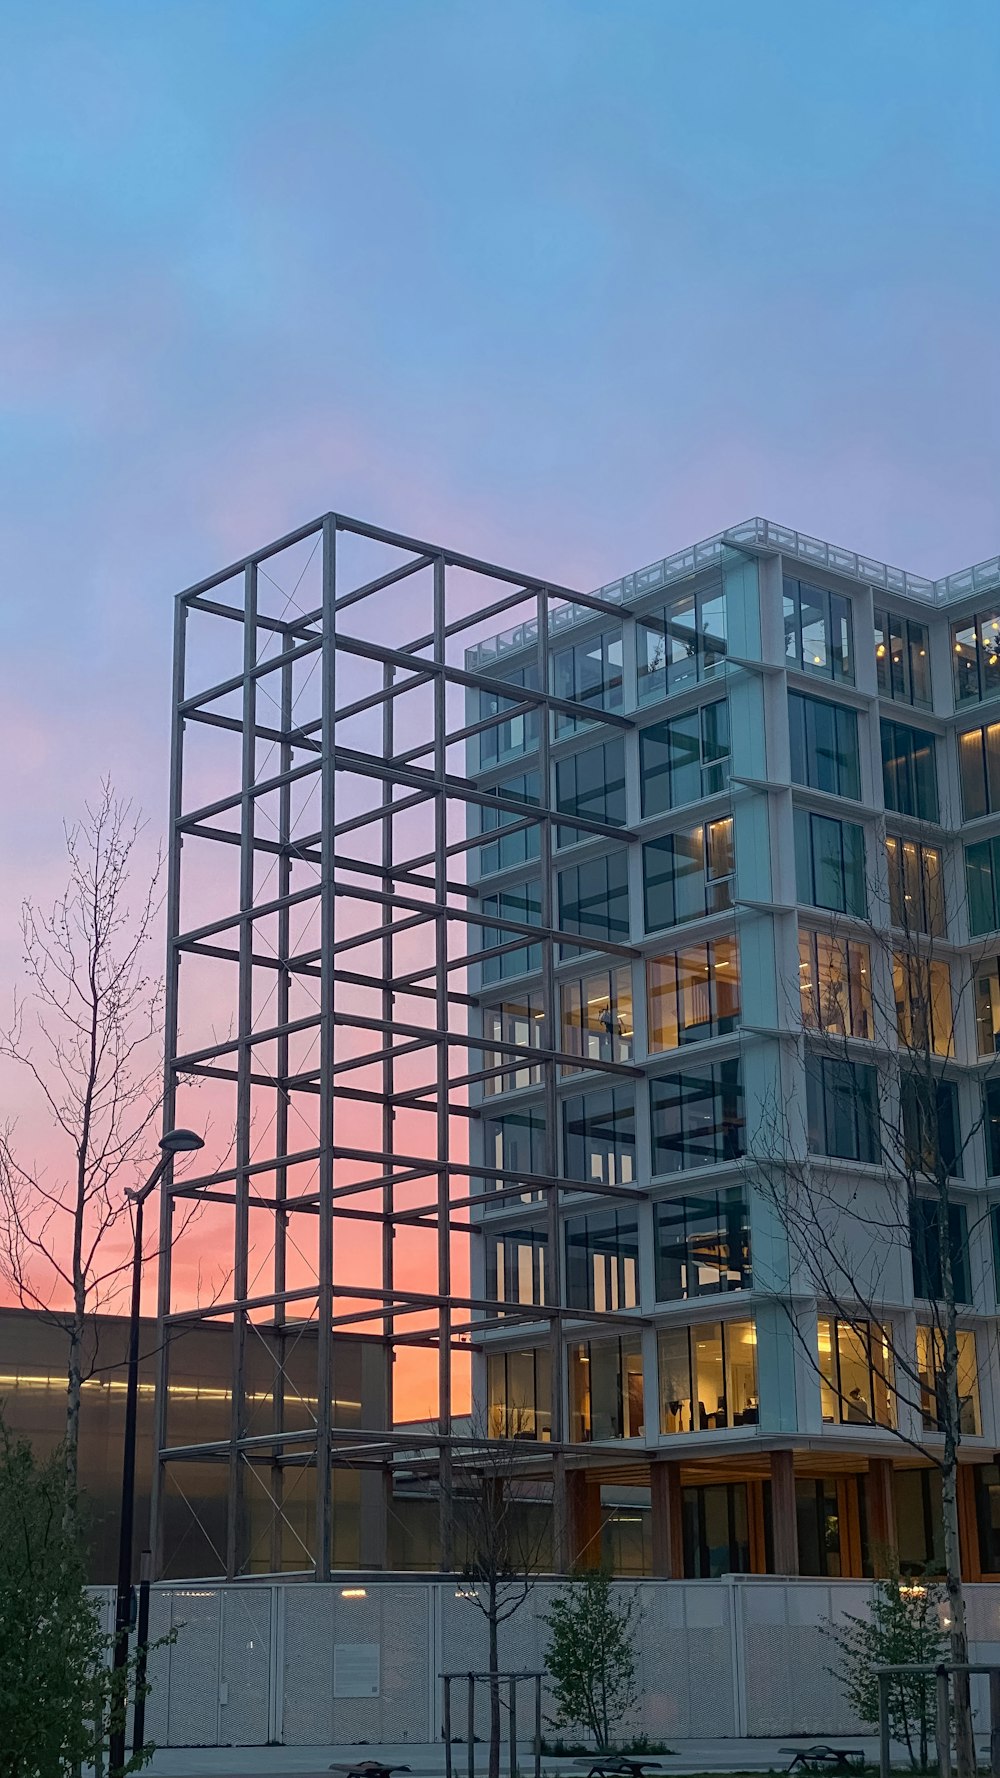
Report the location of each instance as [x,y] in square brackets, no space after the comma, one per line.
[902,659]
[515,1267]
[922,991]
[693,993]
[979,770]
[597,1017]
[975,654]
[708,1376]
[856,1372]
[916,888]
[519,1389]
[933,1379]
[605,1389]
[835,984]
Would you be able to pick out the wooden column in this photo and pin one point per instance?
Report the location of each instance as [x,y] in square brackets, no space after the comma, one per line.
[881,1502]
[784,1521]
[667,1516]
[968,1530]
[583,1515]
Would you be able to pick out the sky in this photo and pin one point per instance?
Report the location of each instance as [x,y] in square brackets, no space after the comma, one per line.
[564,284]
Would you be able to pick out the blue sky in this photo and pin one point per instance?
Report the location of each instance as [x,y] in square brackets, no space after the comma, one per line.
[565,284]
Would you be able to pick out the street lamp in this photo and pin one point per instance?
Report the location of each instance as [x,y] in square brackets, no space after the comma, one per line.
[174,1142]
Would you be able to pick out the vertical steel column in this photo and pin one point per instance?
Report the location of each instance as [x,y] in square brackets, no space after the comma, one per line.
[388,1083]
[244,1069]
[327,1047]
[170,996]
[550,1149]
[443,1130]
[281,1099]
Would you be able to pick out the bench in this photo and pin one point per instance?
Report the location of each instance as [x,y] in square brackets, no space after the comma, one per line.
[618,1765]
[834,1759]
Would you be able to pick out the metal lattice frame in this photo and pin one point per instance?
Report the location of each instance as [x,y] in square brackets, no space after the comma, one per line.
[383,874]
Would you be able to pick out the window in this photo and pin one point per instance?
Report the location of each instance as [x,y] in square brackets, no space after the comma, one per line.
[519,1386]
[686,759]
[933,1379]
[520,902]
[982,877]
[696,1119]
[597,1017]
[842,1108]
[979,770]
[975,654]
[819,632]
[716,1524]
[591,784]
[599,1136]
[605,1389]
[909,771]
[824,745]
[602,1260]
[510,736]
[988,1008]
[830,863]
[916,886]
[991,1118]
[519,1021]
[587,673]
[708,1376]
[515,1143]
[509,850]
[515,1267]
[702,1245]
[688,874]
[921,988]
[835,984]
[902,659]
[925,1250]
[681,642]
[856,1372]
[693,993]
[593,899]
[931,1130]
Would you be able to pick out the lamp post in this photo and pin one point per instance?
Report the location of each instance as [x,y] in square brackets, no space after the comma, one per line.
[174,1142]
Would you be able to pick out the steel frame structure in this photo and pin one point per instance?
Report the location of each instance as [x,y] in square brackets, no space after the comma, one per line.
[352,1075]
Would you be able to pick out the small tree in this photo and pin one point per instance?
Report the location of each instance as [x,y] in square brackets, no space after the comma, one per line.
[57,1688]
[500,1525]
[902,1627]
[591,1657]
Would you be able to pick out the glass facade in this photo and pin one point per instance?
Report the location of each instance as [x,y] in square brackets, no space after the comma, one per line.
[975,655]
[987,1007]
[596,1014]
[856,1372]
[819,630]
[687,875]
[605,1389]
[685,759]
[909,771]
[593,898]
[982,880]
[693,993]
[599,1136]
[902,659]
[916,886]
[842,1108]
[681,642]
[932,1372]
[511,736]
[515,1142]
[602,1260]
[508,850]
[922,991]
[931,1132]
[591,784]
[708,1376]
[520,903]
[835,985]
[830,863]
[925,1250]
[587,673]
[702,1245]
[519,1393]
[515,1266]
[824,745]
[520,1021]
[979,771]
[696,1118]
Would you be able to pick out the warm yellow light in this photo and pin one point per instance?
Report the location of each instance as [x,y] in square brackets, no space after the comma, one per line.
[353,1593]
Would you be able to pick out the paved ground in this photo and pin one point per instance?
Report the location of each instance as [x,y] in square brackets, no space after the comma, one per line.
[428,1761]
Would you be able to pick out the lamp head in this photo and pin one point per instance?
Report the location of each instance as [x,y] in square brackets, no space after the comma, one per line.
[180,1142]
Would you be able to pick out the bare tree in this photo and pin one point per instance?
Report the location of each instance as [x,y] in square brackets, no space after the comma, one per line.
[884,1011]
[85,1033]
[502,1520]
